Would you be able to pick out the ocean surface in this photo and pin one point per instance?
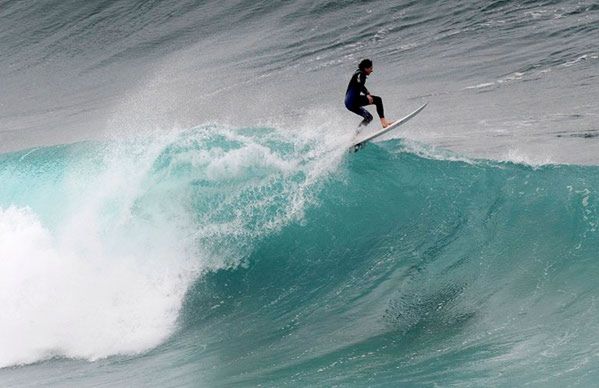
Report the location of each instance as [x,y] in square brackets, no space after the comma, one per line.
[178,207]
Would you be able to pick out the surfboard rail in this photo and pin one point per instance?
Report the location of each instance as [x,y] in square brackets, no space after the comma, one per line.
[359,141]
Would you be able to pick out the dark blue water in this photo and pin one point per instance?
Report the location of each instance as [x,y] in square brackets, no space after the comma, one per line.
[177,206]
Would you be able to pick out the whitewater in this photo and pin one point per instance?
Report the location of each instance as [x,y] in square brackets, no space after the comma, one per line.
[178,206]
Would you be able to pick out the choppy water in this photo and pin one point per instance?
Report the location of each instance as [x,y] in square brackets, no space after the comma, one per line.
[177,207]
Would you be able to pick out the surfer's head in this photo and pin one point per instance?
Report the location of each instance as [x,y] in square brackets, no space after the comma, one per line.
[366,66]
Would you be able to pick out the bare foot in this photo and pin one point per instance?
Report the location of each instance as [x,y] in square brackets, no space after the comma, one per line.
[385,123]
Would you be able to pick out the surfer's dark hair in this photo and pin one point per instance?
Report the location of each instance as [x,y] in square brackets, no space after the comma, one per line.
[365,64]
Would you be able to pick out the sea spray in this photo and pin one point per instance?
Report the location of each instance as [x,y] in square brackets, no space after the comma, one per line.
[98,264]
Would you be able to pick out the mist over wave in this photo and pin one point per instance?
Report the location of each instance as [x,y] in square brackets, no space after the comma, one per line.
[501,78]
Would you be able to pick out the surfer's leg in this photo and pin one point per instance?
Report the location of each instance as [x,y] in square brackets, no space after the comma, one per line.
[360,111]
[364,113]
[357,108]
[378,102]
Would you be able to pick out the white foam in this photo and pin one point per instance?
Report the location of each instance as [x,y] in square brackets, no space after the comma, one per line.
[98,281]
[110,274]
[515,155]
[56,301]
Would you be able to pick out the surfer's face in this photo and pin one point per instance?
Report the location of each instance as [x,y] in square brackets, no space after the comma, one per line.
[368,70]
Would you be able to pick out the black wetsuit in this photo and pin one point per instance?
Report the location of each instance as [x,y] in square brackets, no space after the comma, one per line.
[355,98]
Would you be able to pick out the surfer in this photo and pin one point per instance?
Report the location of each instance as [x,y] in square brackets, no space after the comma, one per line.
[357,96]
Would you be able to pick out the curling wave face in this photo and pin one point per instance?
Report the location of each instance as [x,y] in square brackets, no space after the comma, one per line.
[292,263]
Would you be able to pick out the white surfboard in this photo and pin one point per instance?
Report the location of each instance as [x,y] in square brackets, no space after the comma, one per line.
[360,139]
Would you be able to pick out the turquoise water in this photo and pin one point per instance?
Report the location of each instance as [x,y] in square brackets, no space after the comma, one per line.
[219,256]
[178,206]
